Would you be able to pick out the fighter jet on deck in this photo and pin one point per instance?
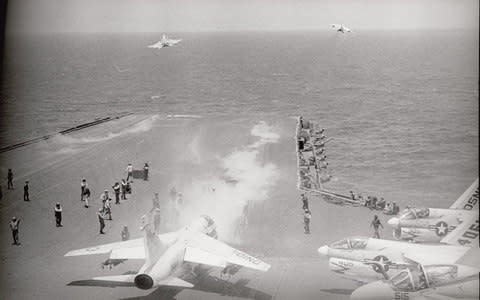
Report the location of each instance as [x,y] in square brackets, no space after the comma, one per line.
[164,42]
[433,224]
[170,256]
[340,28]
[421,282]
[357,258]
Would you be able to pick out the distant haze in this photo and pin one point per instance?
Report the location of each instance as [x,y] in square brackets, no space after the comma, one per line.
[29,16]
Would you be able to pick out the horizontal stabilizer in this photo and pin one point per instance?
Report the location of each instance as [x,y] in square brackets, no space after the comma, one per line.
[128,253]
[117,278]
[175,281]
[199,256]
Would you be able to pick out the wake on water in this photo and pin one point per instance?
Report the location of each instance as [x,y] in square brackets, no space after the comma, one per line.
[71,144]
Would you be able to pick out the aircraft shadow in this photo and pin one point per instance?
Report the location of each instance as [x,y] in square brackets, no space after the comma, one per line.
[210,284]
[204,282]
[338,291]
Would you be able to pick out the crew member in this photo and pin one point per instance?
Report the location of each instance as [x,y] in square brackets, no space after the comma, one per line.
[304,201]
[307,216]
[101,220]
[116,189]
[376,224]
[381,203]
[58,214]
[86,196]
[125,233]
[396,208]
[373,204]
[10,179]
[14,227]
[26,195]
[129,171]
[106,204]
[124,189]
[145,171]
[352,195]
[83,185]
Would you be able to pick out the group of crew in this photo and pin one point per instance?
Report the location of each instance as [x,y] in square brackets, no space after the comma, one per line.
[311,142]
[120,190]
[372,202]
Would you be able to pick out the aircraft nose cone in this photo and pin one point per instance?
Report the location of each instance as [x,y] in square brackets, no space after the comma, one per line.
[323,250]
[394,222]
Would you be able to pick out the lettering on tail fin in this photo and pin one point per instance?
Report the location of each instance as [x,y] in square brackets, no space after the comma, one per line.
[470,234]
[472,201]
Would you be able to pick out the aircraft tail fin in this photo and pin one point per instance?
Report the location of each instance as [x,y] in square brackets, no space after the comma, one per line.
[153,246]
[469,199]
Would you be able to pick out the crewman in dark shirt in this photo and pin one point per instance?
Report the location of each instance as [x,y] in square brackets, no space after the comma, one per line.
[26,195]
[10,179]
[116,189]
[58,214]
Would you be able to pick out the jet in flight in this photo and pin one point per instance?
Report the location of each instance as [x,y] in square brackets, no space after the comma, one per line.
[433,224]
[171,256]
[421,282]
[340,28]
[357,258]
[164,42]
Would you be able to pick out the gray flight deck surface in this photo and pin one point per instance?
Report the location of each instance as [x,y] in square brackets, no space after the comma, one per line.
[179,151]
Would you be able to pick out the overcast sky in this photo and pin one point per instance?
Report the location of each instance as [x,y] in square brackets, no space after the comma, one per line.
[226,15]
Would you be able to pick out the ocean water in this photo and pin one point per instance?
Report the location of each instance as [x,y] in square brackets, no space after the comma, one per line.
[401,108]
[399,104]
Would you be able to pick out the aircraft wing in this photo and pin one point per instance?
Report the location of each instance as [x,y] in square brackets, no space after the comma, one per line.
[157,45]
[203,249]
[469,199]
[173,42]
[131,249]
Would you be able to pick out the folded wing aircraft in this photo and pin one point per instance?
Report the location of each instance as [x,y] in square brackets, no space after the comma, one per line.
[437,224]
[421,282]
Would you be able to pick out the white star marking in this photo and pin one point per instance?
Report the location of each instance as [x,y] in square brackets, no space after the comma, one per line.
[442,228]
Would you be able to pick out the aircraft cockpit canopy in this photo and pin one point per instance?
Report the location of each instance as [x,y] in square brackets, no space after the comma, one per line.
[350,243]
[419,277]
[440,274]
[414,213]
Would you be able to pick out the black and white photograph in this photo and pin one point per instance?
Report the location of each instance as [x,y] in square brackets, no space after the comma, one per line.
[239,149]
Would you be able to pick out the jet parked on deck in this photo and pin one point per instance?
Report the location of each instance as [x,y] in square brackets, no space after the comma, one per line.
[433,224]
[171,256]
[421,282]
[358,258]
